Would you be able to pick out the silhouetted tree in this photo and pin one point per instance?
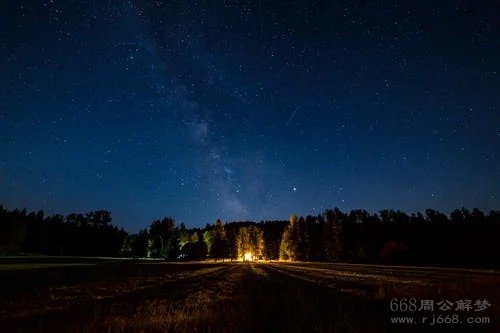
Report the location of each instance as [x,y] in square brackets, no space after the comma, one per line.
[464,238]
[162,233]
[141,244]
[219,241]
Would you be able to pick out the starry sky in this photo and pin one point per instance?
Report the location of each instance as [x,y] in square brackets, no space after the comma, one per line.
[248,109]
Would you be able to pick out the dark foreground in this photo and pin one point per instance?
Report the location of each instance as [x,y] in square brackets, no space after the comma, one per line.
[241,297]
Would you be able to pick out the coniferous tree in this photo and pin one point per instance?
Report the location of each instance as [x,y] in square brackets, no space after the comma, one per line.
[288,248]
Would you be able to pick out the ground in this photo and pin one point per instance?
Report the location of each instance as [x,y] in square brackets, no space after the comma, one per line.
[110,295]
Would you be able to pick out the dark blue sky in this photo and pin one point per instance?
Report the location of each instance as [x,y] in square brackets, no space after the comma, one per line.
[248,109]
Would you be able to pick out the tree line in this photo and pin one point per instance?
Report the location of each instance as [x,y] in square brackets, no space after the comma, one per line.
[462,238]
[90,234]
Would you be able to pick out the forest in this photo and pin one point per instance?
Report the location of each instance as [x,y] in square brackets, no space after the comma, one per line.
[464,238]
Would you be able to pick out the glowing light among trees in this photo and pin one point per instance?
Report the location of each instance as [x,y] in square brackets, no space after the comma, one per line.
[250,240]
[248,256]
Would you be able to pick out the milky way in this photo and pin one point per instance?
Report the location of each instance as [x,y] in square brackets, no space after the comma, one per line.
[247,109]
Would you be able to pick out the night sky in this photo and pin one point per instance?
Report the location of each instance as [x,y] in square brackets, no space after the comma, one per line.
[248,109]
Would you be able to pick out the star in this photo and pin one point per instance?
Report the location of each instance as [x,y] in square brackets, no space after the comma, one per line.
[227,126]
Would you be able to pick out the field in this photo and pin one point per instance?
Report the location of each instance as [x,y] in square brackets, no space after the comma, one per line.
[125,295]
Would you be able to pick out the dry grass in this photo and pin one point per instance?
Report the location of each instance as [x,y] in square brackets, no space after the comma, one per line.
[230,297]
